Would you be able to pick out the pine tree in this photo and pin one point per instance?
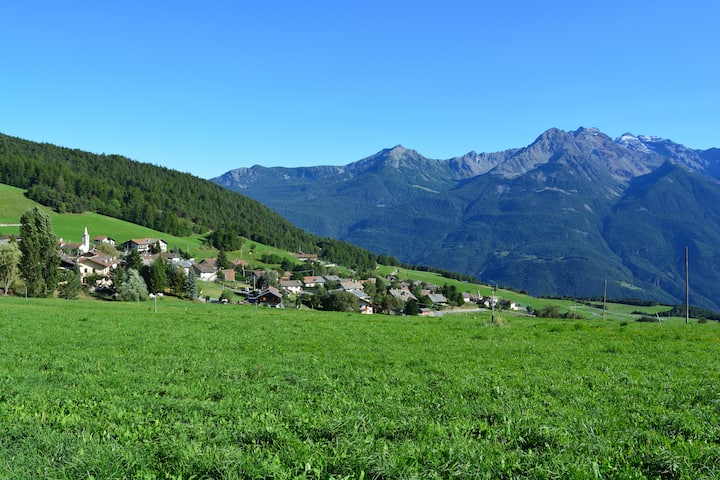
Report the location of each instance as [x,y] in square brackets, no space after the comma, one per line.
[222,260]
[40,259]
[190,289]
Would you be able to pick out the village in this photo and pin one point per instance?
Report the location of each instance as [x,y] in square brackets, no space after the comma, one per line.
[95,259]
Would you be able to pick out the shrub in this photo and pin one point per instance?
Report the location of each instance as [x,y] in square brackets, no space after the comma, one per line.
[551,311]
[226,296]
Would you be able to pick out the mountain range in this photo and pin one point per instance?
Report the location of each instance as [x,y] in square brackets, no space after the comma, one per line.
[559,217]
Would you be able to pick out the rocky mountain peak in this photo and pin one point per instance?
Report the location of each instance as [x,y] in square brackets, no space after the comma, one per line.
[632,142]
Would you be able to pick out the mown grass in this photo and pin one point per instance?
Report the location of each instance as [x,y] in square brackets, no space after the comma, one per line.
[106,390]
[12,204]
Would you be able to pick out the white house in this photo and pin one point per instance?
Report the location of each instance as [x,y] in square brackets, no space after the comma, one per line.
[291,286]
[205,271]
[146,245]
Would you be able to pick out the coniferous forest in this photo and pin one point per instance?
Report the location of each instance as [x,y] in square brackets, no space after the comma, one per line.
[75,181]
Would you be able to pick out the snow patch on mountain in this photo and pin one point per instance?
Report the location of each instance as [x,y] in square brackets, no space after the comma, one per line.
[633,143]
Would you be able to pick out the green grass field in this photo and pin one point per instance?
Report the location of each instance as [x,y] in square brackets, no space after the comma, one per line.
[92,389]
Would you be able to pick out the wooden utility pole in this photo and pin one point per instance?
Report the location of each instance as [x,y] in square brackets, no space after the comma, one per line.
[492,304]
[605,299]
[687,288]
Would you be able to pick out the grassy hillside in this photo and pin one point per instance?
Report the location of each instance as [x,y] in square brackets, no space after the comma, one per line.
[165,200]
[13,203]
[70,227]
[108,390]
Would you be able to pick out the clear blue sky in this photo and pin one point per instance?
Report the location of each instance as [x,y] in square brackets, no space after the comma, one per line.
[205,87]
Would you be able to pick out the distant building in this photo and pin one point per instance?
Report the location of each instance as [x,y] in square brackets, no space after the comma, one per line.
[270,297]
[306,257]
[437,298]
[349,285]
[291,286]
[146,245]
[313,281]
[205,271]
[403,294]
[103,240]
[91,264]
[85,244]
[228,274]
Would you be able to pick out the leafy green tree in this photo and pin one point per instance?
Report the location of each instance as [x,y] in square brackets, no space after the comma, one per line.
[308,299]
[133,287]
[40,258]
[107,249]
[392,304]
[316,301]
[341,301]
[10,256]
[69,285]
[156,275]
[176,279]
[411,307]
[269,278]
[226,295]
[132,260]
[370,289]
[454,296]
[380,285]
[117,276]
[286,265]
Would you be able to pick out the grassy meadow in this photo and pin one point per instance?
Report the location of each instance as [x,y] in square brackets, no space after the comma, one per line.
[92,389]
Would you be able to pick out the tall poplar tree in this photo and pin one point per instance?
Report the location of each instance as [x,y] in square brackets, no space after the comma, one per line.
[40,258]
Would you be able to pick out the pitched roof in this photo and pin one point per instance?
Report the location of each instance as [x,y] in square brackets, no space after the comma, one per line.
[270,290]
[204,267]
[402,293]
[351,285]
[145,241]
[437,298]
[313,279]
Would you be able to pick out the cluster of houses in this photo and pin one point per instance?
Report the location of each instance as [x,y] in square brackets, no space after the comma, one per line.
[88,259]
[273,296]
[90,262]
